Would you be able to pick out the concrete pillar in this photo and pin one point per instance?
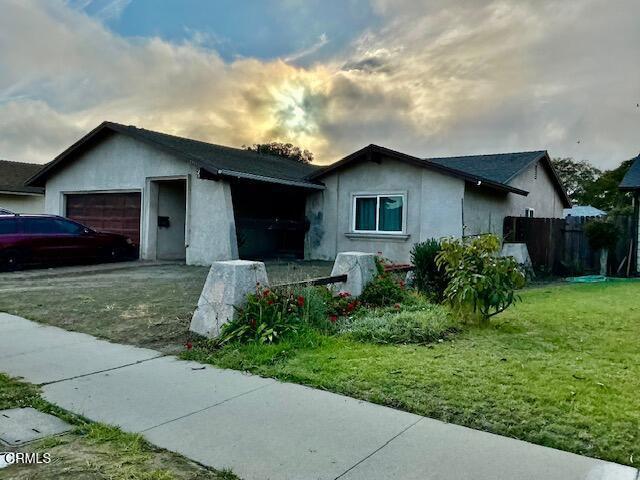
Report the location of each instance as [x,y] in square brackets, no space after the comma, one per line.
[360,269]
[226,289]
[519,252]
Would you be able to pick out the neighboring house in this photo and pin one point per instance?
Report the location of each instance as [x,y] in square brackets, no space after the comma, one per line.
[584,211]
[15,195]
[186,199]
[631,183]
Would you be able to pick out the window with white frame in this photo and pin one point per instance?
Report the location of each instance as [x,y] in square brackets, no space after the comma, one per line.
[379,213]
[529,212]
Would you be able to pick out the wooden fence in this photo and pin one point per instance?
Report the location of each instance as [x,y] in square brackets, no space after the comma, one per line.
[560,246]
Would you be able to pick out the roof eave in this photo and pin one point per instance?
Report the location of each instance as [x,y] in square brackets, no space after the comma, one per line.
[371,149]
[259,178]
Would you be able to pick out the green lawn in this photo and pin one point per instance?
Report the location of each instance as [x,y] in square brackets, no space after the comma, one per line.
[95,450]
[560,369]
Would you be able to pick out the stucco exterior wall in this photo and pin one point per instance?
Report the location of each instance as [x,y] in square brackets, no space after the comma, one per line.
[120,163]
[484,210]
[433,209]
[22,203]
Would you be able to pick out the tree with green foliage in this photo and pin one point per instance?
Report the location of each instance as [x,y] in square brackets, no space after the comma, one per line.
[603,235]
[287,150]
[576,176]
[481,284]
[605,194]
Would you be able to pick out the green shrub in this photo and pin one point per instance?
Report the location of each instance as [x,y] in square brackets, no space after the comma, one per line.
[385,289]
[602,234]
[342,305]
[266,317]
[420,326]
[481,284]
[317,307]
[427,276]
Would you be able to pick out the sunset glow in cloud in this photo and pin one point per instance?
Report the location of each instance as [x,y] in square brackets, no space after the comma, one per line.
[428,78]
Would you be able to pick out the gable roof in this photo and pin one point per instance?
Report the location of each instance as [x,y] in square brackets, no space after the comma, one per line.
[631,179]
[499,167]
[215,160]
[375,152]
[13,176]
[504,167]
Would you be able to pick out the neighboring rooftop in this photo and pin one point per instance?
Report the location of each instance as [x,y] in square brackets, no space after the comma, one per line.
[583,211]
[13,177]
[631,180]
[217,160]
[499,167]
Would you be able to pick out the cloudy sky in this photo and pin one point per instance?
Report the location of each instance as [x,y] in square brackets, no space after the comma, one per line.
[430,78]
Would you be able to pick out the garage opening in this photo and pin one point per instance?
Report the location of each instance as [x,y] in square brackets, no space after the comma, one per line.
[117,212]
[270,221]
[171,219]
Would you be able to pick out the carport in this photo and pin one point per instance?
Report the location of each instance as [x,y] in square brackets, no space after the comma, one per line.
[270,220]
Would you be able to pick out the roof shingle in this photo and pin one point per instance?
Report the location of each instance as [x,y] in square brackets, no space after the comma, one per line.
[499,167]
[13,176]
[631,180]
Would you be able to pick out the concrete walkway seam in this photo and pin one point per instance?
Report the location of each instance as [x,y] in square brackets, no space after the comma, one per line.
[380,448]
[137,362]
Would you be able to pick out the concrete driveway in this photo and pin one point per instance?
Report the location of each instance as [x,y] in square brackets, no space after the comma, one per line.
[262,428]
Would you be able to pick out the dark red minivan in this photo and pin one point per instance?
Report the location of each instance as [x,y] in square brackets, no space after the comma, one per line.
[52,240]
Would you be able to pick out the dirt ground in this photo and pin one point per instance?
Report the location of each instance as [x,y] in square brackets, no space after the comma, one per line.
[145,305]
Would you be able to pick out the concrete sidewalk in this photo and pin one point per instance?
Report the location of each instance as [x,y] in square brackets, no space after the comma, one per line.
[262,428]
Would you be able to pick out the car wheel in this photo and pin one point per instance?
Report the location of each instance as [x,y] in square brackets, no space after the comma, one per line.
[10,261]
[114,254]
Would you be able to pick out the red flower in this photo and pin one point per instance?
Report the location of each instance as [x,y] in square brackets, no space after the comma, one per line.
[351,306]
[333,318]
[344,294]
[397,306]
[300,301]
[266,292]
[270,302]
[189,345]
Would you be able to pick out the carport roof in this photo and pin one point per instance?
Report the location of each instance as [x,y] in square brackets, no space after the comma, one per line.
[14,175]
[215,160]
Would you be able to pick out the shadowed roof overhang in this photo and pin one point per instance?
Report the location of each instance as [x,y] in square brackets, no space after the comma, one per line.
[631,180]
[375,153]
[212,160]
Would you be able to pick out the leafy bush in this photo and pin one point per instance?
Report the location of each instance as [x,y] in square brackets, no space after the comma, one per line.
[602,234]
[317,308]
[385,289]
[481,284]
[342,305]
[266,317]
[428,277]
[424,325]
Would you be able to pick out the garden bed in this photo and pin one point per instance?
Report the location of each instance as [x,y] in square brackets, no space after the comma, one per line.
[560,369]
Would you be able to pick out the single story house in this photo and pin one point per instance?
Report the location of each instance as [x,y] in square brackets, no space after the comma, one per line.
[15,195]
[631,183]
[180,198]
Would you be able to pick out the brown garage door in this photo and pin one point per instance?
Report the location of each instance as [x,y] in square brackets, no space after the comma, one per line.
[107,212]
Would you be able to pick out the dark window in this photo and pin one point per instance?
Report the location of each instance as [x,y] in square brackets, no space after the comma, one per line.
[42,226]
[65,226]
[9,226]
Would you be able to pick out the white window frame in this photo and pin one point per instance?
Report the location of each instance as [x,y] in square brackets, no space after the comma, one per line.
[377,196]
[529,212]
